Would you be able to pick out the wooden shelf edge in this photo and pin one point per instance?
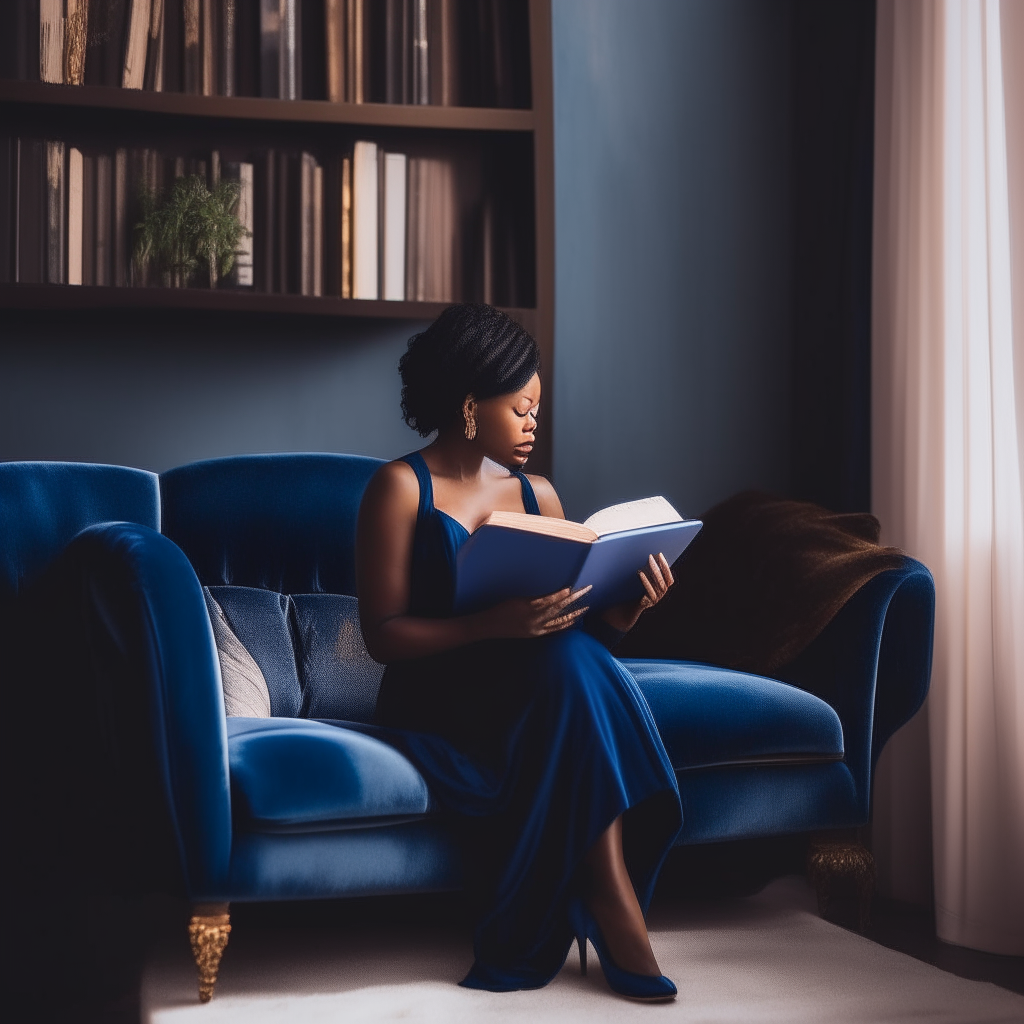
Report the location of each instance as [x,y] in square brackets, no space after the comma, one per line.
[383,115]
[44,297]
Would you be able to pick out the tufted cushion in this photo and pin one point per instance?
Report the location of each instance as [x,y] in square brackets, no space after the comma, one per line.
[710,716]
[339,678]
[259,618]
[289,773]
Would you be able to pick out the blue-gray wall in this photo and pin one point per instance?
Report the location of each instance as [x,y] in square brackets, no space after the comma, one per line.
[671,139]
[155,395]
[672,144]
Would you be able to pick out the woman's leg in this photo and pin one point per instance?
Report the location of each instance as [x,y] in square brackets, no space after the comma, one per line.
[613,903]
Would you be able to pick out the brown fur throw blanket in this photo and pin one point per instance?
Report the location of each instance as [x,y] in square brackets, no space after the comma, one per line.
[762,579]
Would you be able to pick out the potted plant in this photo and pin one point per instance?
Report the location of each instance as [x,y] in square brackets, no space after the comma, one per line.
[188,232]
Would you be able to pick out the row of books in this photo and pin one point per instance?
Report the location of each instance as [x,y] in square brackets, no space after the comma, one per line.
[367,225]
[448,52]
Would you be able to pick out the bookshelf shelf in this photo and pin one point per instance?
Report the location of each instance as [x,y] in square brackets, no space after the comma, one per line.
[90,297]
[248,108]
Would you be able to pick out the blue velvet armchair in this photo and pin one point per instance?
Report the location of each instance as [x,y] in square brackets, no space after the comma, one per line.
[301,805]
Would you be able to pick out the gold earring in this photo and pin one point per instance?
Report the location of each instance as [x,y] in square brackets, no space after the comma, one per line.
[470,425]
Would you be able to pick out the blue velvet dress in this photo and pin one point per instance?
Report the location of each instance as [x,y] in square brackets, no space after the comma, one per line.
[535,746]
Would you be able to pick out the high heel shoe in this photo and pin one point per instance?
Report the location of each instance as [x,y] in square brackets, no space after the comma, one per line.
[646,988]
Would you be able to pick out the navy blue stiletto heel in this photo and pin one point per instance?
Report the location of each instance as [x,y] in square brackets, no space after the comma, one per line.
[646,988]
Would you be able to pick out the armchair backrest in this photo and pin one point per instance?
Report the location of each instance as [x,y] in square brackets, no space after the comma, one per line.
[285,523]
[44,504]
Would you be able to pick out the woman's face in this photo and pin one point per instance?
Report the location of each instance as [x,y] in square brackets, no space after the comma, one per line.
[505,425]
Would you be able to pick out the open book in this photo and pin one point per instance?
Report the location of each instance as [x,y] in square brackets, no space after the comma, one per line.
[512,554]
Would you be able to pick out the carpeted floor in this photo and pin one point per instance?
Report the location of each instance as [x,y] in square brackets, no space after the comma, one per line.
[762,959]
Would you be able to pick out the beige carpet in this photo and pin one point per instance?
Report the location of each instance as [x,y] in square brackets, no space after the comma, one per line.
[767,959]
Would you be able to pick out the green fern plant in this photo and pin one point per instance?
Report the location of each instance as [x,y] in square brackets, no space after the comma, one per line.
[188,231]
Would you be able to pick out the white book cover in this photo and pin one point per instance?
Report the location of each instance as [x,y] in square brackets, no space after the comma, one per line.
[76,211]
[51,41]
[364,221]
[394,225]
[244,258]
[136,45]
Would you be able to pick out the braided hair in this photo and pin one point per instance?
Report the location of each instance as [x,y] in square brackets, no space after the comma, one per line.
[468,350]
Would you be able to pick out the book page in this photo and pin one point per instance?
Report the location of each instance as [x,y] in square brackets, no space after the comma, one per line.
[633,515]
[542,524]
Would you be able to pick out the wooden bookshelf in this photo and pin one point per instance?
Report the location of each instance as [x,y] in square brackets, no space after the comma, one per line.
[40,110]
[33,95]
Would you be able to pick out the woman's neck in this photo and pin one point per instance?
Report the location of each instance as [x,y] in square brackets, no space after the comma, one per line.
[452,456]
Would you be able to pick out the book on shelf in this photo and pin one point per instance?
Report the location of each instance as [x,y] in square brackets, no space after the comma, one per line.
[242,273]
[447,52]
[30,203]
[364,221]
[281,49]
[75,216]
[51,41]
[517,555]
[136,44]
[394,233]
[345,228]
[55,212]
[311,202]
[153,79]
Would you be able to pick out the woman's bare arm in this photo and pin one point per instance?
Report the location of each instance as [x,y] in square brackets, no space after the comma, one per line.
[384,540]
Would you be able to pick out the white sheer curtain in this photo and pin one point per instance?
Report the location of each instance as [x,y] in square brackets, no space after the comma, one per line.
[948,451]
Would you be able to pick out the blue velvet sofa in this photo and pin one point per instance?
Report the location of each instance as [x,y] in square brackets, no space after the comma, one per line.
[296,807]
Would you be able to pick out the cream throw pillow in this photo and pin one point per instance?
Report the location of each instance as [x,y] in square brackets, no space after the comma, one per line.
[245,689]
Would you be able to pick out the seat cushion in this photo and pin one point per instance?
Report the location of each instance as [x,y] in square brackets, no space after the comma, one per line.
[710,716]
[339,678]
[293,774]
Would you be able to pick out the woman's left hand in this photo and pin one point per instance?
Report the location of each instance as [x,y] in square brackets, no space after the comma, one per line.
[656,583]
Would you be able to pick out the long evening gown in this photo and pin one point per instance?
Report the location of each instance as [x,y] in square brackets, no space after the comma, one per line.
[536,746]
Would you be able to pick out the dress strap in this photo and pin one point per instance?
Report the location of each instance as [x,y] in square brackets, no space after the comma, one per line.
[426,506]
[529,498]
[419,467]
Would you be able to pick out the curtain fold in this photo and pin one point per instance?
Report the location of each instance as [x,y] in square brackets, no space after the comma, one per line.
[947,478]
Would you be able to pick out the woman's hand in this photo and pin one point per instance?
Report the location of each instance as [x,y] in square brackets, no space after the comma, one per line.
[538,616]
[656,583]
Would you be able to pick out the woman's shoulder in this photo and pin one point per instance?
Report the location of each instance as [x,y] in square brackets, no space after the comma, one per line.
[393,482]
[547,496]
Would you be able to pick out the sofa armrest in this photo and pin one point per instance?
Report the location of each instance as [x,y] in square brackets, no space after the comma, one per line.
[150,644]
[872,664]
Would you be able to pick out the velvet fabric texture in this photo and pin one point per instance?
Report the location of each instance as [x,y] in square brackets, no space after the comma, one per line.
[762,579]
[238,520]
[143,784]
[538,746]
[43,505]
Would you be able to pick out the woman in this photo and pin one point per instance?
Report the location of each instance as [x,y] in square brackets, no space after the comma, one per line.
[524,726]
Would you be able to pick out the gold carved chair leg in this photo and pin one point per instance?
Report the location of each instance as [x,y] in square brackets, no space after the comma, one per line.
[833,863]
[208,932]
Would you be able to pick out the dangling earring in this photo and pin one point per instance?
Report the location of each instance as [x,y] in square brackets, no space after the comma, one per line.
[470,425]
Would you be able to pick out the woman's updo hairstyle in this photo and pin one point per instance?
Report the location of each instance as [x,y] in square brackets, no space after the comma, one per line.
[468,350]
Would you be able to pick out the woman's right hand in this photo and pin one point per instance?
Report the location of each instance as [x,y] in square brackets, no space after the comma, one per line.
[538,616]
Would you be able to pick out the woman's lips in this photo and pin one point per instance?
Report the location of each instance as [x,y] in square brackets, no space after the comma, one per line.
[524,449]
